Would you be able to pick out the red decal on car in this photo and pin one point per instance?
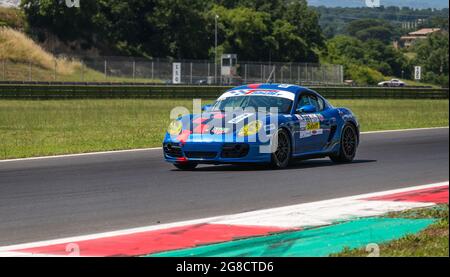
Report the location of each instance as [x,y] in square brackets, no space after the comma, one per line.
[201,129]
[254,85]
[199,120]
[184,136]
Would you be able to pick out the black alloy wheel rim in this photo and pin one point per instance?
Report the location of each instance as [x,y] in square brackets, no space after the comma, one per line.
[282,153]
[349,142]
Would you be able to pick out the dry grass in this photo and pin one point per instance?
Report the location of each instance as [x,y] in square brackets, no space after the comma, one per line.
[17,47]
[17,51]
[12,17]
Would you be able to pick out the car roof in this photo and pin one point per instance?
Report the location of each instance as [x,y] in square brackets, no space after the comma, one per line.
[285,87]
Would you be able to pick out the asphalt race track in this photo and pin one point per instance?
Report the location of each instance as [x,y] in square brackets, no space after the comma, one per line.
[67,196]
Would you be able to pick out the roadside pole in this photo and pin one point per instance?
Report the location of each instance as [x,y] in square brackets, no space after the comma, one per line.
[54,72]
[216,17]
[4,70]
[106,67]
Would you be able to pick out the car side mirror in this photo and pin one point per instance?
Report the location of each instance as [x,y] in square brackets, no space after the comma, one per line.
[206,108]
[306,109]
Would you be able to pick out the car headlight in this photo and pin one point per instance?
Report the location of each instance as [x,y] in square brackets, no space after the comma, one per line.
[251,128]
[175,128]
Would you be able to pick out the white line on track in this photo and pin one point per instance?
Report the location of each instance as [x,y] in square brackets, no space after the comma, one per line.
[159,148]
[352,206]
[404,130]
[81,154]
[20,254]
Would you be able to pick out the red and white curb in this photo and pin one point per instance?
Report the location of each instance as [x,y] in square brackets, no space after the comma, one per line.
[179,235]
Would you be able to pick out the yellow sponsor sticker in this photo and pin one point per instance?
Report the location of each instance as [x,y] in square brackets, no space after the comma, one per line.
[312,126]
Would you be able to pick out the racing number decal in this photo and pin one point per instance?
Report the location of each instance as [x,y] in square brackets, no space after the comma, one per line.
[312,126]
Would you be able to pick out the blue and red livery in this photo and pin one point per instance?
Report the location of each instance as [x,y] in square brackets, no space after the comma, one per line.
[263,123]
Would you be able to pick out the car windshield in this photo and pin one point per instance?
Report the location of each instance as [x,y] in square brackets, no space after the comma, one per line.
[256,102]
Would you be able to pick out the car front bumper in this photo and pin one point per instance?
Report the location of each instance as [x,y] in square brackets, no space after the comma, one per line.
[216,152]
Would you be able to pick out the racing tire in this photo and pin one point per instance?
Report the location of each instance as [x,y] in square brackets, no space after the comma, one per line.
[186,166]
[348,145]
[281,156]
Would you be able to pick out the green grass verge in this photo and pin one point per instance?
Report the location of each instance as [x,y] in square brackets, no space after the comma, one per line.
[375,114]
[431,242]
[38,128]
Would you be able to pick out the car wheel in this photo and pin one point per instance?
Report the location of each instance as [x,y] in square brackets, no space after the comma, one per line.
[186,166]
[348,145]
[281,156]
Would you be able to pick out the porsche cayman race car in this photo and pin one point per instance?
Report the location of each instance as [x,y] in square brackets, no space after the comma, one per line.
[262,123]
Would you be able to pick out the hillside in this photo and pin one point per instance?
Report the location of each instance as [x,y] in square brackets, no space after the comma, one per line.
[18,48]
[18,52]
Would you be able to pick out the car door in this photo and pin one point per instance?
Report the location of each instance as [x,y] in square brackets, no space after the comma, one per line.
[312,129]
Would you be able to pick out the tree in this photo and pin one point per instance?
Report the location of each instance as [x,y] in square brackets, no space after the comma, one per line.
[256,30]
[345,48]
[374,54]
[244,31]
[380,33]
[180,27]
[124,26]
[365,29]
[306,22]
[432,55]
[56,17]
[255,34]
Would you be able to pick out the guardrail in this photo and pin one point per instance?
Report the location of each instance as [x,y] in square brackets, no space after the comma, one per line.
[53,91]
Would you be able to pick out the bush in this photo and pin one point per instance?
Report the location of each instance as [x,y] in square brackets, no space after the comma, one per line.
[363,75]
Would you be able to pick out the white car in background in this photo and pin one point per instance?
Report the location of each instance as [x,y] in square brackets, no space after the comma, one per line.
[392,83]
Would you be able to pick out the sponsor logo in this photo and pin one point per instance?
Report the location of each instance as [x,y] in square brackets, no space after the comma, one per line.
[259,92]
[311,117]
[284,86]
[310,125]
[310,133]
[240,117]
[219,130]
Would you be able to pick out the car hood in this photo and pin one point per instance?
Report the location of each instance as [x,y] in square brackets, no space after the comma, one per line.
[219,125]
[221,122]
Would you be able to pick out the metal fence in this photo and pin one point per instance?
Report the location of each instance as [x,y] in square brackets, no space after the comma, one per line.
[159,71]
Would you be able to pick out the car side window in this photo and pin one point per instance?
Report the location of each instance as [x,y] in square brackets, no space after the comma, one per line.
[314,102]
[308,99]
[304,100]
[321,104]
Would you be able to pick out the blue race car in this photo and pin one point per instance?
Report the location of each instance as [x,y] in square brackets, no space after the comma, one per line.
[262,123]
